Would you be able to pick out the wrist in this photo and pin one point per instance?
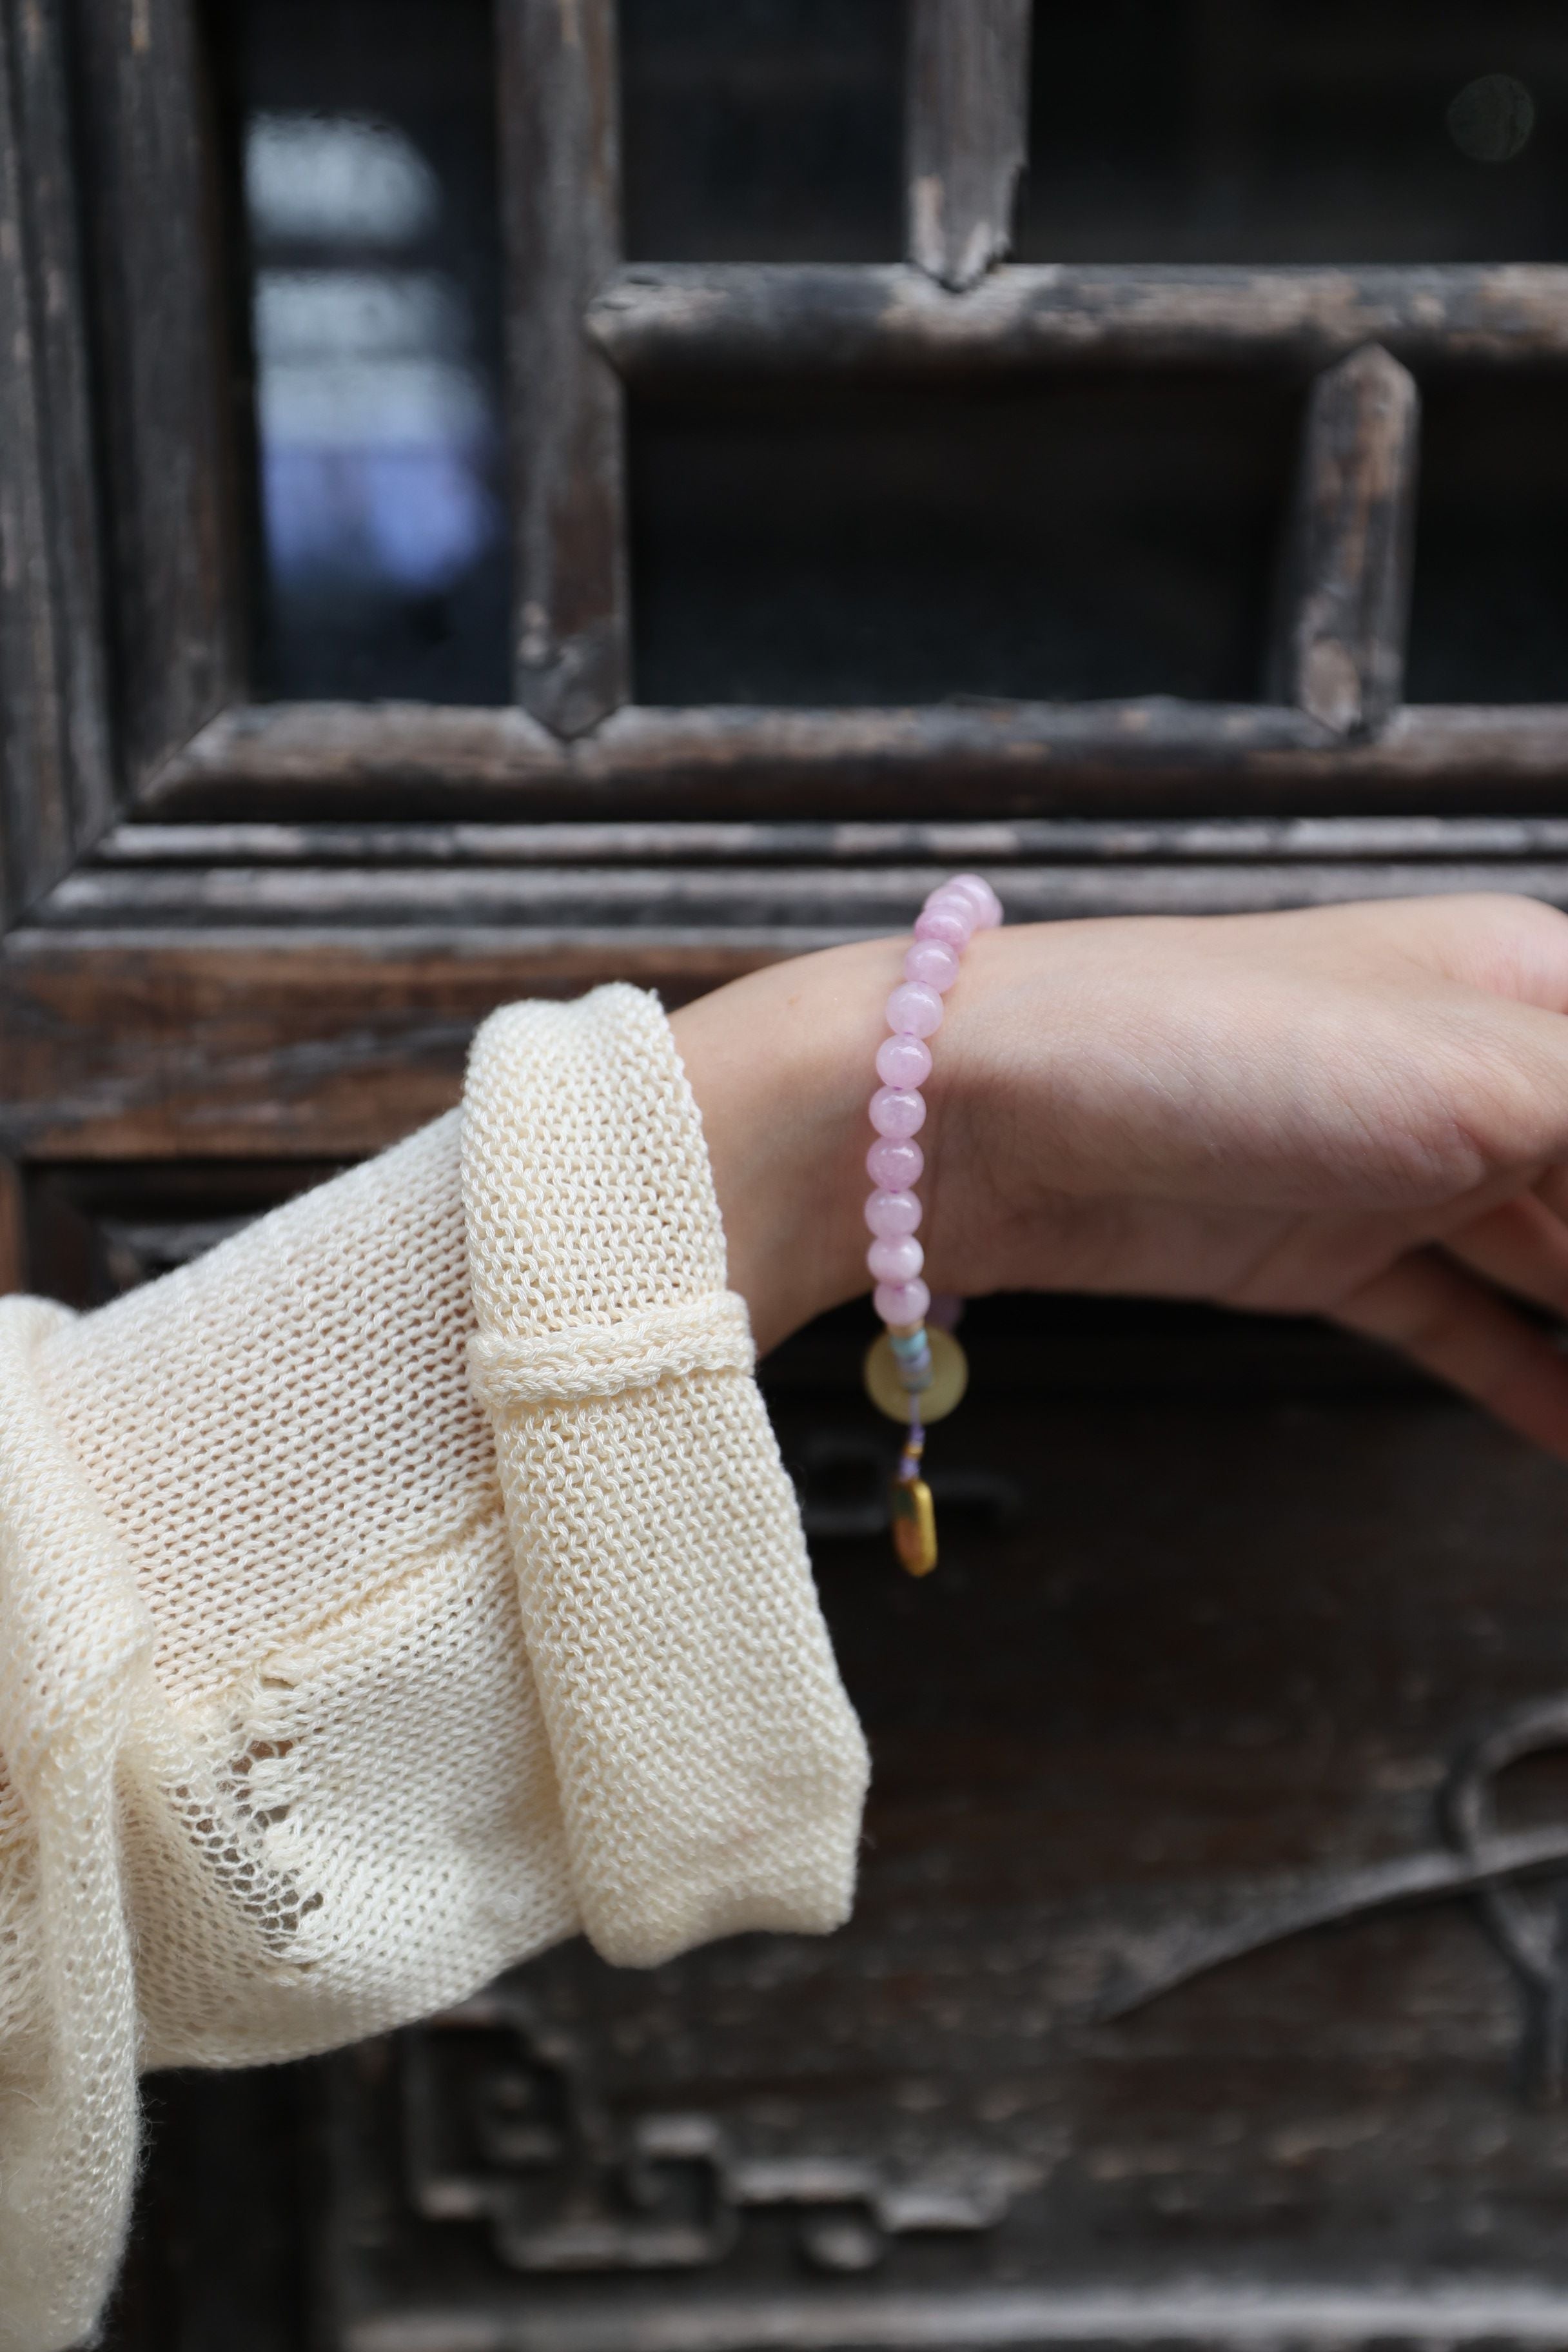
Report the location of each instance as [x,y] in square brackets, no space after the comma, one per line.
[780,1063]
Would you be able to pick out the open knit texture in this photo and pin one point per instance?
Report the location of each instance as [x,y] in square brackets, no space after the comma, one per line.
[335,1677]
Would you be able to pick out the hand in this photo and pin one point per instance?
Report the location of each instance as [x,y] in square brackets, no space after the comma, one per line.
[1359,1112]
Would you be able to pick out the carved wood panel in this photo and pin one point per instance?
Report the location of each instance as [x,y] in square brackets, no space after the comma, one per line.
[1198,1671]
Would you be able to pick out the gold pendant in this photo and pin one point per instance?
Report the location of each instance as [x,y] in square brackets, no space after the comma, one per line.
[913,1520]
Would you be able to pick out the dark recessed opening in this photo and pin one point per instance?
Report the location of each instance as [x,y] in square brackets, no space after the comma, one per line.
[1082,537]
[762,130]
[367,163]
[1257,131]
[1490,621]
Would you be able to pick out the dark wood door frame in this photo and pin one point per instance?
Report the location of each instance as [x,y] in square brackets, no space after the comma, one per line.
[213,901]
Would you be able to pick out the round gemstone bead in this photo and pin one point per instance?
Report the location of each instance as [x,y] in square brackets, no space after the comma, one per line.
[895,1260]
[914,1009]
[933,963]
[951,925]
[898,1111]
[903,1061]
[893,1164]
[987,906]
[890,1214]
[901,1304]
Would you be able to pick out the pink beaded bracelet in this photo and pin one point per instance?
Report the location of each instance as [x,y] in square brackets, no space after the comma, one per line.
[916,1371]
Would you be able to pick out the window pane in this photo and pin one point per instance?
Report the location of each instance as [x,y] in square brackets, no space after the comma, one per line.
[369,175]
[762,130]
[1081,537]
[1298,130]
[1490,621]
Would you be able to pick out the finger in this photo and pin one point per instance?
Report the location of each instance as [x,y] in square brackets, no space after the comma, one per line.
[1447,1322]
[1521,1245]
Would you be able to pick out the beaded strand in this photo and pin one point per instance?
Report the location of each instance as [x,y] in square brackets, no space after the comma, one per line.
[946,924]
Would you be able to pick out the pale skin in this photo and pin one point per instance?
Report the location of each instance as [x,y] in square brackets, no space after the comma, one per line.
[1359,1112]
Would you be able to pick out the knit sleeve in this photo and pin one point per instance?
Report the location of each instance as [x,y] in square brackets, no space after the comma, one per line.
[710,1768]
[367,1624]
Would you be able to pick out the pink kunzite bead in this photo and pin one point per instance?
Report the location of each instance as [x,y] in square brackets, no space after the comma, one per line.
[987,905]
[951,925]
[933,963]
[903,1062]
[898,1111]
[914,1009]
[901,1304]
[959,903]
[895,1260]
[893,1164]
[888,1214]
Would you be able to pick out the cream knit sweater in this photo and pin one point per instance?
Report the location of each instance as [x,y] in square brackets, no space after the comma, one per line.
[407,1585]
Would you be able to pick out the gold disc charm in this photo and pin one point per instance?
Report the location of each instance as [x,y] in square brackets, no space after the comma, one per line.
[949,1377]
[913,1525]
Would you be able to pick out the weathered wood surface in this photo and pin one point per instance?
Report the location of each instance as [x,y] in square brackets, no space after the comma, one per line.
[560,175]
[307,760]
[771,317]
[1105,1723]
[54,762]
[950,842]
[966,114]
[13,1230]
[733,908]
[147,1046]
[167,336]
[35,834]
[1345,592]
[323,1010]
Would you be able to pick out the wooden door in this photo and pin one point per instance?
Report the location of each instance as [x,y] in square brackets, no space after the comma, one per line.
[497,494]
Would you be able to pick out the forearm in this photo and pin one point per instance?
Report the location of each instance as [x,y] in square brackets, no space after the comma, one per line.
[1360,1111]
[780,1063]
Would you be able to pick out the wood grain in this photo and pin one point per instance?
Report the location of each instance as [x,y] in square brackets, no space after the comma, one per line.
[54,765]
[1345,598]
[965,137]
[167,338]
[13,1230]
[735,910]
[360,762]
[698,317]
[560,173]
[323,1012]
[148,1046]
[827,844]
[69,452]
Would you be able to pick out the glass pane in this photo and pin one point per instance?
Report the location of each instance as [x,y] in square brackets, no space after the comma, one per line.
[1490,621]
[1081,537]
[1300,131]
[762,130]
[368,174]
